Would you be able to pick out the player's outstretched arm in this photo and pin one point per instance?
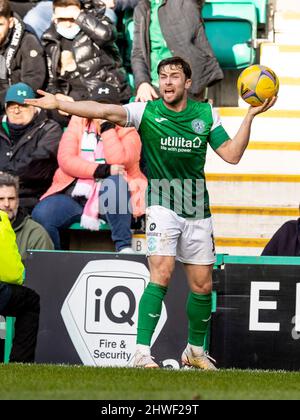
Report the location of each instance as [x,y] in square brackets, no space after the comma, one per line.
[232,150]
[87,109]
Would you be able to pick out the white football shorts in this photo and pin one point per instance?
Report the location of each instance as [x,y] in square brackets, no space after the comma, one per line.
[190,241]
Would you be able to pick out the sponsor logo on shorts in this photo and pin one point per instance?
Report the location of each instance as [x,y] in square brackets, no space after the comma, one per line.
[152,227]
[156,234]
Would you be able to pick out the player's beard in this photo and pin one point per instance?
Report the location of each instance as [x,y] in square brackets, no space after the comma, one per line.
[175,100]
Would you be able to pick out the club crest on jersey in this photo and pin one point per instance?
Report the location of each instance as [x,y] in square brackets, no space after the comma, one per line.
[198,126]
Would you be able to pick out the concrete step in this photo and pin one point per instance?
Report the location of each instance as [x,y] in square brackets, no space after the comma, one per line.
[286,38]
[247,234]
[248,226]
[287,21]
[240,246]
[257,162]
[287,5]
[287,211]
[247,214]
[283,59]
[270,165]
[236,250]
[253,190]
[274,125]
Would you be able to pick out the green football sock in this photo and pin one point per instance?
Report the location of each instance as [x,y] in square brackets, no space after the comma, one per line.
[149,312]
[199,312]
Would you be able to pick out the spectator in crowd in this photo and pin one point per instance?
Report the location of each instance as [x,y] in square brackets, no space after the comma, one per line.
[81,52]
[22,57]
[29,234]
[122,5]
[165,28]
[93,150]
[21,7]
[16,300]
[39,17]
[286,241]
[28,144]
[114,7]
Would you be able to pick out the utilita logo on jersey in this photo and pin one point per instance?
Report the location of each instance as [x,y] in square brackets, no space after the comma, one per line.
[179,144]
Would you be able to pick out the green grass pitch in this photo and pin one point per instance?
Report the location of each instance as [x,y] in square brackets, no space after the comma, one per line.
[88,383]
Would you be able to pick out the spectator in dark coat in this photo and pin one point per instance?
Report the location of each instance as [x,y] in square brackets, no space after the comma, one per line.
[176,30]
[39,13]
[28,145]
[22,57]
[286,241]
[81,51]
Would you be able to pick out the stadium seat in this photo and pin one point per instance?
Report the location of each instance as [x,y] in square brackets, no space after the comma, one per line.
[231,28]
[10,331]
[260,5]
[238,19]
[262,10]
[102,226]
[128,28]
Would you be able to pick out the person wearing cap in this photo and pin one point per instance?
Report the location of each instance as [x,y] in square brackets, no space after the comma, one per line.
[22,58]
[96,158]
[81,52]
[28,144]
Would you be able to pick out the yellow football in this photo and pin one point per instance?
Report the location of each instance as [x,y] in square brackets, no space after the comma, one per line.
[257,83]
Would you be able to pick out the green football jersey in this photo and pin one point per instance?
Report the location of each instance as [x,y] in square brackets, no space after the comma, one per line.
[174,150]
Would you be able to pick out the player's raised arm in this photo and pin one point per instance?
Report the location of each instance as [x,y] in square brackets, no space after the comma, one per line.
[87,109]
[232,150]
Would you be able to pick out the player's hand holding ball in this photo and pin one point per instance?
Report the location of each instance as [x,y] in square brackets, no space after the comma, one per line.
[258,86]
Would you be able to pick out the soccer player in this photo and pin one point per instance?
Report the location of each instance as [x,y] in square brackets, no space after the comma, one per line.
[175,132]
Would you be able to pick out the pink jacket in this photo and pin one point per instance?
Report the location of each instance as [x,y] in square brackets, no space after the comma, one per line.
[122,146]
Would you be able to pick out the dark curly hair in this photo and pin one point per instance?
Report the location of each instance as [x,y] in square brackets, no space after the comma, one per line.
[176,62]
